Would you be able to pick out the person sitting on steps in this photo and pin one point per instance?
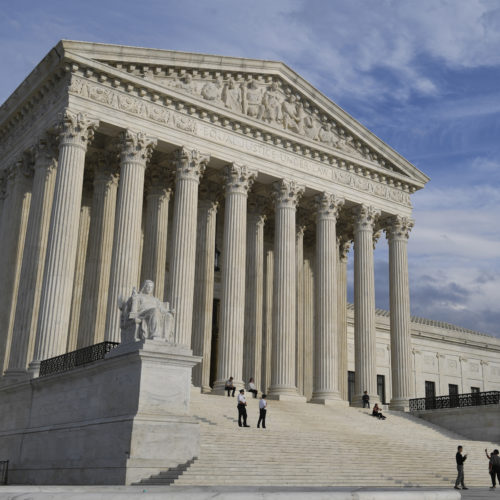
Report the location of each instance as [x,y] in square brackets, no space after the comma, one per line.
[252,388]
[377,412]
[230,387]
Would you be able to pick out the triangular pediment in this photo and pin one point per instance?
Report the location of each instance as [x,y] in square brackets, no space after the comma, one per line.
[253,91]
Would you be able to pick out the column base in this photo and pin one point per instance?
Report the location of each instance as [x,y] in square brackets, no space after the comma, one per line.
[206,389]
[220,384]
[280,393]
[15,376]
[357,400]
[329,400]
[34,369]
[399,404]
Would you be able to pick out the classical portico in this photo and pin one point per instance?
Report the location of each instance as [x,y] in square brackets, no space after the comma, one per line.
[191,158]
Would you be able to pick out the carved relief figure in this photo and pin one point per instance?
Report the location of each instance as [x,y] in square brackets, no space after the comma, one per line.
[311,126]
[143,316]
[292,120]
[187,84]
[326,135]
[231,96]
[211,91]
[252,99]
[271,105]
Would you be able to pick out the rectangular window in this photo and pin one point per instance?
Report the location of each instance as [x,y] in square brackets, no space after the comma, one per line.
[350,385]
[381,388]
[430,395]
[475,390]
[452,389]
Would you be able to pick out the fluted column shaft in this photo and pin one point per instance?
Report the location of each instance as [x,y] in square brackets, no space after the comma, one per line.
[309,323]
[232,304]
[326,386]
[402,373]
[252,350]
[299,348]
[35,247]
[267,322]
[100,248]
[283,376]
[343,250]
[204,292]
[17,207]
[81,254]
[154,253]
[135,152]
[189,165]
[57,287]
[364,306]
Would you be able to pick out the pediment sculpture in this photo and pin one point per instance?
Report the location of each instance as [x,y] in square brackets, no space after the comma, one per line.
[272,104]
[143,316]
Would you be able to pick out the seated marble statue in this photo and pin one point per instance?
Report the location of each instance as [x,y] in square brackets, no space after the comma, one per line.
[143,316]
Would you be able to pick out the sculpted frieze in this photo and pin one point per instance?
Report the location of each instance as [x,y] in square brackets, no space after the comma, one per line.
[175,119]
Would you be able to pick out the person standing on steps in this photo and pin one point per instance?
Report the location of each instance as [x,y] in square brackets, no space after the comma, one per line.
[242,409]
[494,467]
[366,400]
[460,468]
[262,411]
[230,387]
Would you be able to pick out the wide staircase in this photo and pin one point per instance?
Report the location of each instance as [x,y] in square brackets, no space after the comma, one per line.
[308,444]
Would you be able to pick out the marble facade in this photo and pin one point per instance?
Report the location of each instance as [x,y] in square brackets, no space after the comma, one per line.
[121,164]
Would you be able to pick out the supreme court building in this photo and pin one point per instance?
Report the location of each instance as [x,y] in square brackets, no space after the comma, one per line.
[238,189]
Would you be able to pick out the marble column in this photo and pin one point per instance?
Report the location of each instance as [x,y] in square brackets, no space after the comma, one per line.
[189,166]
[326,384]
[299,258]
[267,320]
[55,304]
[81,255]
[365,346]
[232,316]
[283,376]
[135,151]
[309,325]
[343,251]
[100,247]
[35,247]
[17,207]
[204,289]
[252,345]
[397,233]
[154,253]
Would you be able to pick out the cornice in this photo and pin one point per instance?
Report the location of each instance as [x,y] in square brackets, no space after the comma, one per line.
[160,58]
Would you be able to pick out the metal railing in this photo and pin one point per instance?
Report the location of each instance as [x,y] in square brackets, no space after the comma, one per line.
[4,471]
[73,359]
[456,401]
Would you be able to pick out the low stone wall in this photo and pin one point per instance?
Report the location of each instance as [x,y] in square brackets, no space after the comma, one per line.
[475,422]
[115,421]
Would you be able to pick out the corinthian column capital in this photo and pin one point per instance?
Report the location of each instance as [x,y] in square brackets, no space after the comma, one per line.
[398,227]
[136,147]
[239,178]
[76,129]
[328,205]
[190,163]
[46,152]
[344,247]
[287,193]
[365,217]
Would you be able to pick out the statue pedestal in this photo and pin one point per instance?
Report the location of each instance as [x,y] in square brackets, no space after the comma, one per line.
[114,421]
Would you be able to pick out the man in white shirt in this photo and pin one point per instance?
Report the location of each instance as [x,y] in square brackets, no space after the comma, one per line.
[242,409]
[262,411]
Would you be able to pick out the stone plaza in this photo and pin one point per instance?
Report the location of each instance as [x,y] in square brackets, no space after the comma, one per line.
[234,190]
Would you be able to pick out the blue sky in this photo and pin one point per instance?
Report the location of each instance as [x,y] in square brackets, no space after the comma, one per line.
[423,76]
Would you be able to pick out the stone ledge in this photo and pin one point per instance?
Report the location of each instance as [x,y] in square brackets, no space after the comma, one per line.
[223,493]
